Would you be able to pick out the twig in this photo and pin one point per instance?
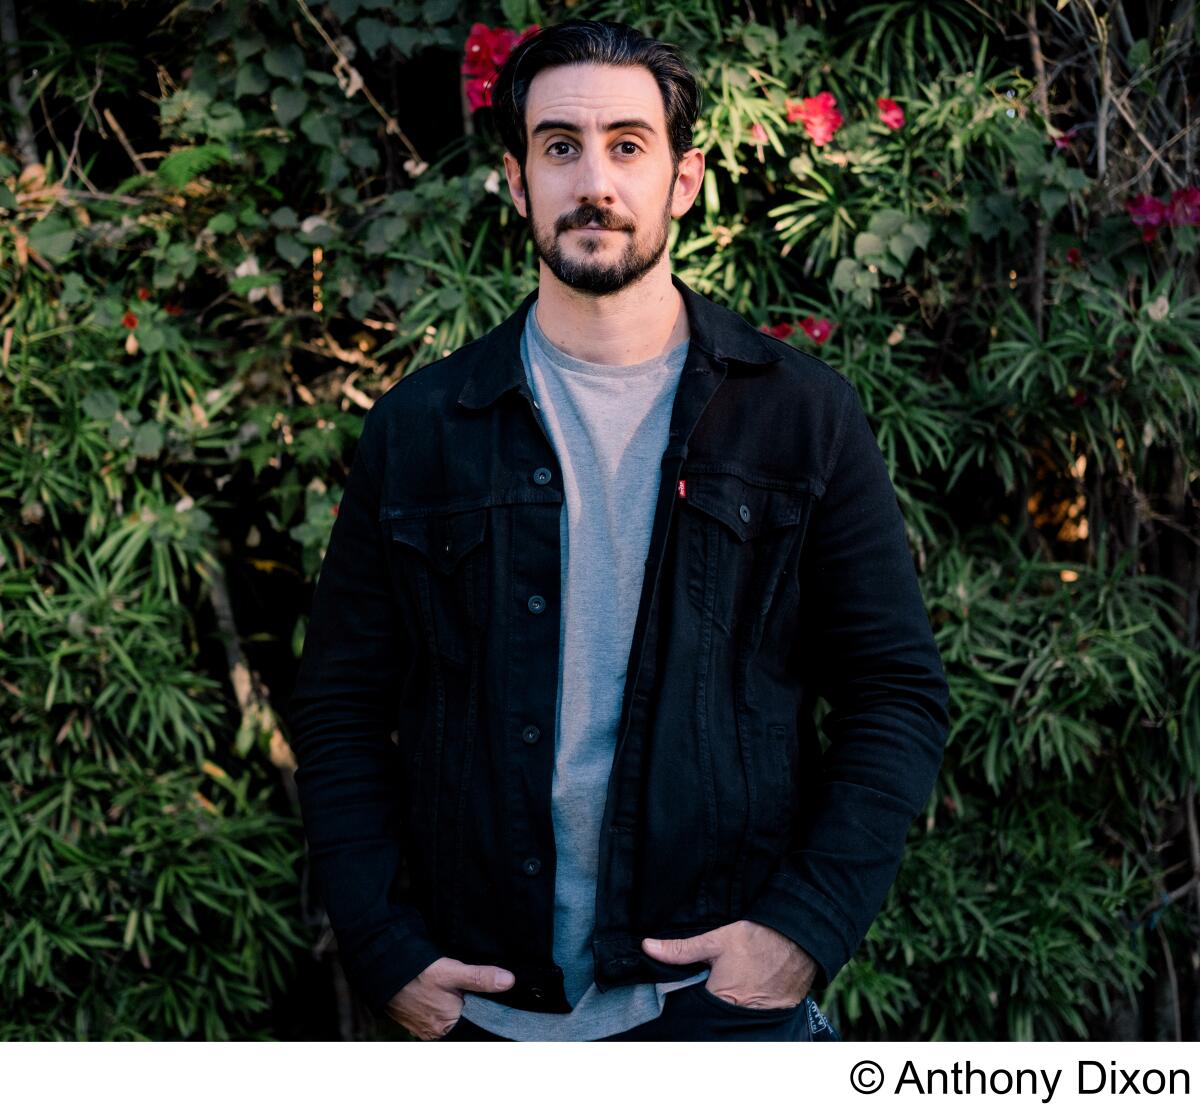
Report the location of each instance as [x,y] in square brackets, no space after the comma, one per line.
[1173,981]
[1043,223]
[257,716]
[9,34]
[343,63]
[90,107]
[1118,103]
[124,140]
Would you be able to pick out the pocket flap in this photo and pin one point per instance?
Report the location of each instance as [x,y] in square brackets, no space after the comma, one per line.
[747,506]
[442,538]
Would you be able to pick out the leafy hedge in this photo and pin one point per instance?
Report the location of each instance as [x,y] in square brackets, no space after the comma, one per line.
[225,234]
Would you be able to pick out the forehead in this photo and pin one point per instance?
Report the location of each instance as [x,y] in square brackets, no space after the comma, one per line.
[592,95]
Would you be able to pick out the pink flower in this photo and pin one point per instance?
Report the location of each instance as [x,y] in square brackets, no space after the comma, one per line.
[1063,141]
[1148,213]
[817,329]
[890,113]
[486,50]
[780,331]
[819,115]
[1184,207]
[758,134]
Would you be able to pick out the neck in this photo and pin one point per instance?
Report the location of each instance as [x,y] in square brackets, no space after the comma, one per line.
[645,319]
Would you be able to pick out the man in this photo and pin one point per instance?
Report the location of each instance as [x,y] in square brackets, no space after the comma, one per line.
[557,763]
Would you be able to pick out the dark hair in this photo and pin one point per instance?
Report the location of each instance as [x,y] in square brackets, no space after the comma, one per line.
[602,43]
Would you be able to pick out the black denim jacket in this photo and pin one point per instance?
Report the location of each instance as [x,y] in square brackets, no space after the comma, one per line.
[424,709]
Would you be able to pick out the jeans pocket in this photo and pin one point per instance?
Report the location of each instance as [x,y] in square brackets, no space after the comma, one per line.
[715,1000]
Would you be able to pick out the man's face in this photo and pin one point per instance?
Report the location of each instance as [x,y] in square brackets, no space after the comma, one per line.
[580,170]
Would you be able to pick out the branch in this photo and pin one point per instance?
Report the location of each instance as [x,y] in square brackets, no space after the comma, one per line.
[9,35]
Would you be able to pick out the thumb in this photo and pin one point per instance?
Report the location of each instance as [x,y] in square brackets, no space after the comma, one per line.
[484,977]
[682,950]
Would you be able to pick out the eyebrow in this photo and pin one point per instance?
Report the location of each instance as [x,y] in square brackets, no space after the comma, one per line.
[566,125]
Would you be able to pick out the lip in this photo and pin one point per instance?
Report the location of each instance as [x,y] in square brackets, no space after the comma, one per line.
[593,227]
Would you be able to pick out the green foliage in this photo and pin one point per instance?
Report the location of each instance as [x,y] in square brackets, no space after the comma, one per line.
[191,348]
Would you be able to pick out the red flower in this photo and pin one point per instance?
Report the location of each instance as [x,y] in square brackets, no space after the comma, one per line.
[1080,399]
[172,309]
[780,331]
[890,113]
[818,329]
[1148,213]
[1063,141]
[143,293]
[334,508]
[129,320]
[1184,207]
[486,50]
[819,115]
[1075,257]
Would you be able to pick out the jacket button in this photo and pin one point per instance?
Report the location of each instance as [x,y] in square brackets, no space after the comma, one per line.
[537,993]
[532,866]
[536,603]
[530,734]
[744,512]
[541,476]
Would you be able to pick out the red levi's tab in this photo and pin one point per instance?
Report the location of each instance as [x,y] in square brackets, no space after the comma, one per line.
[683,487]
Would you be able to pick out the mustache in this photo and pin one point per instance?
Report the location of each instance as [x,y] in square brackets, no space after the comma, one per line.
[589,214]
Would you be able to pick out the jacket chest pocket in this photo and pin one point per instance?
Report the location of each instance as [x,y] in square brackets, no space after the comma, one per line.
[439,570]
[744,534]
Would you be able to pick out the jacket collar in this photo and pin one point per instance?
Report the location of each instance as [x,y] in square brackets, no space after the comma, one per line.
[495,360]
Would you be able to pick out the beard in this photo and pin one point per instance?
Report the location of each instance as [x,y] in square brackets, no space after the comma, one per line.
[590,268]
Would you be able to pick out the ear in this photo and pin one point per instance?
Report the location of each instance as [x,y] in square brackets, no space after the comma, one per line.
[688,181]
[512,171]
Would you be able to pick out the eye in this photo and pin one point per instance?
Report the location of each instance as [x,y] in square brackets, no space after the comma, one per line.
[557,143]
[629,143]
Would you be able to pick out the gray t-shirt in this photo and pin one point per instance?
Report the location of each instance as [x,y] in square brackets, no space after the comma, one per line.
[608,426]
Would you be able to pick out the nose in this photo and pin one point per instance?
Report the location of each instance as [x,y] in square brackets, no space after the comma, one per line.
[593,183]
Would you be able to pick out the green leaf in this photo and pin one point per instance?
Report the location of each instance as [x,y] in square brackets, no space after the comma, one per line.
[885,223]
[287,104]
[75,290]
[319,129]
[845,274]
[251,81]
[1052,201]
[52,238]
[222,223]
[437,11]
[148,440]
[224,121]
[289,249]
[901,247]
[285,218]
[363,154]
[181,166]
[151,338]
[868,245]
[373,33]
[247,282]
[285,61]
[101,404]
[917,231]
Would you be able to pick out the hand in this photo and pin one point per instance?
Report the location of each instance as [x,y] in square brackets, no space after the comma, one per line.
[752,964]
[430,1004]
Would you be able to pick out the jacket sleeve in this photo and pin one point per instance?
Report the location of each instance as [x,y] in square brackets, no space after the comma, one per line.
[341,715]
[869,651]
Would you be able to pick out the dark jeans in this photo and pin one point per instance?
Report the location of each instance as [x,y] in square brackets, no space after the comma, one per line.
[695,1014]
